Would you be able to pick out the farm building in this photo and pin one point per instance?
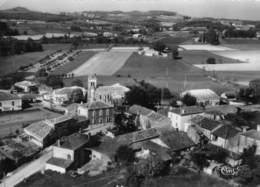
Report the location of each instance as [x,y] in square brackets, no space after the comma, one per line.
[26,86]
[181,117]
[68,152]
[9,102]
[203,96]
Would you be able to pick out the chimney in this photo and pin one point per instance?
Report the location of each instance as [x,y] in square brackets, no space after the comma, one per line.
[258,127]
[58,142]
[244,128]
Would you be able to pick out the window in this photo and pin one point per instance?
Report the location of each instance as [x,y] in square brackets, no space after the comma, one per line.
[100,112]
[0,104]
[12,103]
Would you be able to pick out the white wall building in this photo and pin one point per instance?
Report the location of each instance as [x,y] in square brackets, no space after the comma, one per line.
[9,102]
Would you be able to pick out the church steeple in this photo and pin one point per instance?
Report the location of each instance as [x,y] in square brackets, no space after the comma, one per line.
[92,86]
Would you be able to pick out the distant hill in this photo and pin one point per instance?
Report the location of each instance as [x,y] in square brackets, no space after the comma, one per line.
[26,14]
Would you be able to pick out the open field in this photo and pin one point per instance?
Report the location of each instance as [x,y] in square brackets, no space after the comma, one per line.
[205,47]
[11,64]
[78,61]
[251,57]
[200,57]
[103,63]
[177,75]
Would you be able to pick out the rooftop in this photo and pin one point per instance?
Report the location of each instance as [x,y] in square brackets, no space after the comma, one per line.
[73,142]
[208,124]
[226,131]
[116,90]
[202,94]
[67,90]
[221,109]
[96,105]
[59,119]
[254,134]
[137,109]
[60,162]
[40,129]
[187,110]
[4,96]
[25,83]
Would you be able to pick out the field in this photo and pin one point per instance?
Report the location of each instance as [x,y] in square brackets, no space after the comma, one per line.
[251,57]
[12,63]
[177,75]
[103,63]
[78,61]
[205,47]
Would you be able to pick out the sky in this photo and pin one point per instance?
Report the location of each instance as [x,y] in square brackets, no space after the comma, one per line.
[241,9]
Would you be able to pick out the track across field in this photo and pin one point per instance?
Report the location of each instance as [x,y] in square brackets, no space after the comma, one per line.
[103,63]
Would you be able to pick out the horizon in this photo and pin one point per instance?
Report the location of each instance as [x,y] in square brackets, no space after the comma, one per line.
[230,9]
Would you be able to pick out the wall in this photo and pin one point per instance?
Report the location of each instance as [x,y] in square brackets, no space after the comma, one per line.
[55,168]
[59,152]
[8,106]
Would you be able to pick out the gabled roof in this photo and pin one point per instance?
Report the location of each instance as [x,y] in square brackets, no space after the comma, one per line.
[4,96]
[226,131]
[39,130]
[221,109]
[254,134]
[137,136]
[96,105]
[73,141]
[187,110]
[139,110]
[176,140]
[208,124]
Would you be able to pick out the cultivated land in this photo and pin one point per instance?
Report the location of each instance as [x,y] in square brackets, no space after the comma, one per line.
[79,59]
[103,63]
[11,64]
[205,47]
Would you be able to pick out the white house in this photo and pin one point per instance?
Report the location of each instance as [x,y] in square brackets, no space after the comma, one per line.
[203,96]
[181,117]
[26,86]
[9,102]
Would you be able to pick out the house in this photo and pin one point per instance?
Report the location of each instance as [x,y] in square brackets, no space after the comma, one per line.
[148,118]
[26,86]
[99,114]
[218,112]
[181,117]
[45,132]
[69,152]
[63,95]
[9,102]
[203,96]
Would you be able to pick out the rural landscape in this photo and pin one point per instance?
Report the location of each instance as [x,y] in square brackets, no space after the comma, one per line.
[125,95]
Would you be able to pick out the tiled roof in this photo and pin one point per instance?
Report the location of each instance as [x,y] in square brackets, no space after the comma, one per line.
[137,109]
[254,134]
[187,110]
[59,119]
[96,105]
[73,141]
[137,136]
[208,124]
[60,162]
[39,130]
[176,140]
[221,109]
[4,96]
[226,131]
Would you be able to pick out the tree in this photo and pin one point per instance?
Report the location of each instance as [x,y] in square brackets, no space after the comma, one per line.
[137,95]
[211,61]
[41,73]
[125,154]
[77,82]
[54,81]
[248,156]
[77,96]
[189,100]
[199,159]
[212,37]
[159,46]
[175,53]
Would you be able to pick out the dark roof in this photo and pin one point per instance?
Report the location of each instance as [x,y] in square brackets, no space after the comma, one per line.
[39,130]
[254,134]
[137,136]
[176,140]
[187,110]
[73,141]
[226,131]
[137,109]
[221,109]
[60,162]
[208,124]
[4,96]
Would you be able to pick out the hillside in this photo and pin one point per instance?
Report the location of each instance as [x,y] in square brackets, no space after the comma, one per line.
[23,13]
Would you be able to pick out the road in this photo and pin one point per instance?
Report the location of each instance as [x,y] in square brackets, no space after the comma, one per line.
[27,170]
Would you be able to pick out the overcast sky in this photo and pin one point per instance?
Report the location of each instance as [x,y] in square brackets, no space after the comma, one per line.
[244,9]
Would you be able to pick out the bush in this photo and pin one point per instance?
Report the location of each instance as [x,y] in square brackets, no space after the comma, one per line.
[211,61]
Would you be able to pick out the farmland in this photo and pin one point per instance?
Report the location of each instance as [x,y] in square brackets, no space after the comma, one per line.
[103,63]
[12,63]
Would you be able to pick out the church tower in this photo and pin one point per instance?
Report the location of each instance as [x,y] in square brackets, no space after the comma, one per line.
[92,86]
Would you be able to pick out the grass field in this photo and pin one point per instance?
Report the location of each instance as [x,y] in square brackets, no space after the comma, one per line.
[11,64]
[103,63]
[162,72]
[78,61]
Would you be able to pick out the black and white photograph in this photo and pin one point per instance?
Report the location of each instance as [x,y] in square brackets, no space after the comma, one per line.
[129,93]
